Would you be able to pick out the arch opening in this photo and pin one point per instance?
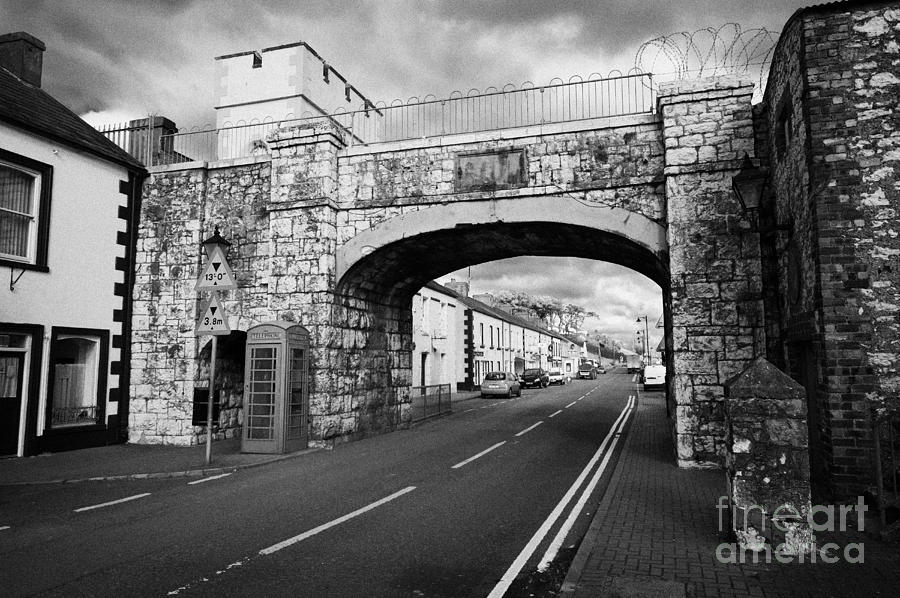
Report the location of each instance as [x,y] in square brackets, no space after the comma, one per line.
[371,349]
[393,273]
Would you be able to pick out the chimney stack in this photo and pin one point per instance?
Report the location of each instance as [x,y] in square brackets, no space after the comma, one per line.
[22,55]
[460,288]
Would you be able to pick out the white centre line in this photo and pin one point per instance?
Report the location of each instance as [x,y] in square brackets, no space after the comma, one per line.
[209,479]
[112,502]
[467,410]
[555,413]
[529,428]
[570,404]
[338,521]
[3,527]
[481,454]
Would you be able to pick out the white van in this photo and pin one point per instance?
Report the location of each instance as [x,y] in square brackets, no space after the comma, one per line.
[655,377]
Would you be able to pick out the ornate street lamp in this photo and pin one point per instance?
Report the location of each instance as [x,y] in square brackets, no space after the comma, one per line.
[216,240]
[748,185]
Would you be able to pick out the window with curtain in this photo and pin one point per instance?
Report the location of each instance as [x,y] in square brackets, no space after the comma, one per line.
[24,210]
[19,190]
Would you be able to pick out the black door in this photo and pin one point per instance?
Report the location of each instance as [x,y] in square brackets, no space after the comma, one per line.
[805,371]
[422,373]
[10,400]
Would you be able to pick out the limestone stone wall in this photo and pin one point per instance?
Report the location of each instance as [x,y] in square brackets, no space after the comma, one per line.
[716,300]
[617,165]
[179,210]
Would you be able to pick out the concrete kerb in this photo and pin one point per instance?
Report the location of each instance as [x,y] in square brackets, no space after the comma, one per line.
[206,471]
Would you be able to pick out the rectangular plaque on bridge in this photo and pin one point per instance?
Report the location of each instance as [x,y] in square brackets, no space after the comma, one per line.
[490,171]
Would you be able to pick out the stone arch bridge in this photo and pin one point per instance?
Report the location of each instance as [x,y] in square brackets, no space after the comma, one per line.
[340,238]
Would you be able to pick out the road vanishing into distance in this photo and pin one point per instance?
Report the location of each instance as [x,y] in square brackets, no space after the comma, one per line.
[455,506]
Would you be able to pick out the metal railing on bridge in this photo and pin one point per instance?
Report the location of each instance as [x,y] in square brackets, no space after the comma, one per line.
[429,401]
[475,111]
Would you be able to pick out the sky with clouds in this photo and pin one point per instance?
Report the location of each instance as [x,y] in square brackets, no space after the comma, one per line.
[114,60]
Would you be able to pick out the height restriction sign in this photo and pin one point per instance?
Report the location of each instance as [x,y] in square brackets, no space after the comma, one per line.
[217,275]
[213,319]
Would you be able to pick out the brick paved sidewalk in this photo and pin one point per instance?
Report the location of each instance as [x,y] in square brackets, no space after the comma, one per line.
[655,533]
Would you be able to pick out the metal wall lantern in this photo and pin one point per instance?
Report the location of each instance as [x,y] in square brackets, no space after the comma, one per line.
[748,185]
[216,240]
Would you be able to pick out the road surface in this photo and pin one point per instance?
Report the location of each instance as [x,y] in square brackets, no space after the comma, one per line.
[455,506]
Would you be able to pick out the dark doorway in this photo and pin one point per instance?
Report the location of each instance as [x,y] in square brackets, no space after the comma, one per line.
[804,369]
[11,366]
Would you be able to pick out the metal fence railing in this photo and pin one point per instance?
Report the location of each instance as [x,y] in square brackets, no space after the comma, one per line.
[475,111]
[429,401]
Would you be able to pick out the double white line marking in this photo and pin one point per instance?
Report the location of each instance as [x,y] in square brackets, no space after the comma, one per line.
[612,438]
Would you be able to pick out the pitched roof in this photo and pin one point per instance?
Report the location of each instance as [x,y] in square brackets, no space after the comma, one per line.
[493,311]
[33,109]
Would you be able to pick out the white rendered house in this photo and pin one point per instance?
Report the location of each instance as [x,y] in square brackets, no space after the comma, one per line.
[69,200]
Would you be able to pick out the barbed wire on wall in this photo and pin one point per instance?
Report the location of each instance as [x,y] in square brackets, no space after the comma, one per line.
[710,52]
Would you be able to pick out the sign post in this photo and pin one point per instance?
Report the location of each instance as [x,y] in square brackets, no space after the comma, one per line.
[217,276]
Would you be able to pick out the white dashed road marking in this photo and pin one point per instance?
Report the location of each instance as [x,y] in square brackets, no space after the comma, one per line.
[555,413]
[529,428]
[209,479]
[290,541]
[112,502]
[481,454]
[338,521]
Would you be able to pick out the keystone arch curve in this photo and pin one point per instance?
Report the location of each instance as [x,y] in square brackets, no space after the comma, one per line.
[389,262]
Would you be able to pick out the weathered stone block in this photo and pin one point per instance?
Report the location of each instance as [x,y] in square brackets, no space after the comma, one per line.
[681,156]
[765,414]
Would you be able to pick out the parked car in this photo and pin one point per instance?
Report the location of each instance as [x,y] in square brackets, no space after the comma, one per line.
[655,377]
[504,384]
[587,370]
[558,377]
[601,369]
[536,377]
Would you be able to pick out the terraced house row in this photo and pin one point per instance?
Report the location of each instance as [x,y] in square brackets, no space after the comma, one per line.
[457,339]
